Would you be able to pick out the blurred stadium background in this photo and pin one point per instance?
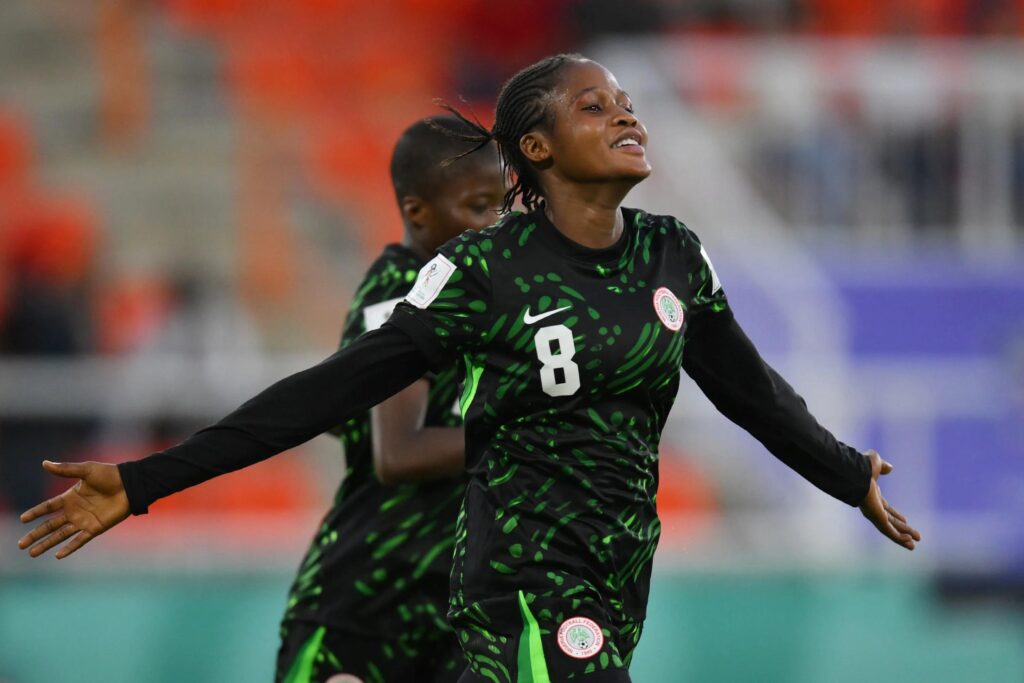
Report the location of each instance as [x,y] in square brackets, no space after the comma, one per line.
[189,190]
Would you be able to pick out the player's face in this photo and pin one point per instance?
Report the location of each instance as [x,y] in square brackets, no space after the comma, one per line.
[469,200]
[596,136]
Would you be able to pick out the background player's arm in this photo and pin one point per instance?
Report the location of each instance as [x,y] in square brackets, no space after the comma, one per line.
[404,449]
[290,412]
[731,373]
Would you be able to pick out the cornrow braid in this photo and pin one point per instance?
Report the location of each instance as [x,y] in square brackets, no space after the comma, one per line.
[522,106]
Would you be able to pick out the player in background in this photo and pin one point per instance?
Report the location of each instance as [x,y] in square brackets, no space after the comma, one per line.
[371,595]
[571,321]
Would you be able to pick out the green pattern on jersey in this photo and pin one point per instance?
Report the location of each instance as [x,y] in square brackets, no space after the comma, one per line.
[575,357]
[302,667]
[380,562]
[531,664]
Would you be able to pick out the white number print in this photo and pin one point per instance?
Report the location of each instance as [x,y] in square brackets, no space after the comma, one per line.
[558,358]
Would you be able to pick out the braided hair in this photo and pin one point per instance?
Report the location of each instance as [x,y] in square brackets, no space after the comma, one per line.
[427,145]
[522,106]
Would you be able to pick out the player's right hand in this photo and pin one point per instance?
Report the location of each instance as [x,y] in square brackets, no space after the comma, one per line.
[94,504]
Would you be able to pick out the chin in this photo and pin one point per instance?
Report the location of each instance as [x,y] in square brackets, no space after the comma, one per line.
[635,173]
[643,173]
[636,169]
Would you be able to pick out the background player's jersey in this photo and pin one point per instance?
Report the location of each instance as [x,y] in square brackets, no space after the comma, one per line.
[572,359]
[380,563]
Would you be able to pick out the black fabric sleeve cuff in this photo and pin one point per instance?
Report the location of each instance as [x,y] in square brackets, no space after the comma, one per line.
[133,488]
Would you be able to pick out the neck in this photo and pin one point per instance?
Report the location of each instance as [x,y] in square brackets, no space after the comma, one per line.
[588,215]
[419,249]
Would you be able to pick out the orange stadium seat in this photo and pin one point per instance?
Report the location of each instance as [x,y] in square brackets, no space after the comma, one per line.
[54,238]
[130,311]
[270,75]
[15,154]
[687,501]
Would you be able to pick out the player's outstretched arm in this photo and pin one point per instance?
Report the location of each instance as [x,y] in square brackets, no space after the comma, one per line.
[96,503]
[731,373]
[289,413]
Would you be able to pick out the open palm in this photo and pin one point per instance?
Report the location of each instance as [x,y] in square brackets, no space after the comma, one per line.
[93,505]
[884,516]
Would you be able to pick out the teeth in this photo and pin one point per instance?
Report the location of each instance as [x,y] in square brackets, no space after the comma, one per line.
[626,141]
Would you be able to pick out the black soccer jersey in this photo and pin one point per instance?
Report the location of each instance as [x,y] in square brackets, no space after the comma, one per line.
[380,562]
[572,359]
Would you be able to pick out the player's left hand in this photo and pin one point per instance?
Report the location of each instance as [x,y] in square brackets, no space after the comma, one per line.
[883,515]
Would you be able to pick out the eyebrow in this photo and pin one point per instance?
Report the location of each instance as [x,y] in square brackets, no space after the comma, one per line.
[595,87]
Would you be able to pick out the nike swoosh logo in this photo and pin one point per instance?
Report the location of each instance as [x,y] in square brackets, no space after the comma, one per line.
[531,319]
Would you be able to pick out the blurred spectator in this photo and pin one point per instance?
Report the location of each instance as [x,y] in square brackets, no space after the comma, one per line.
[813,174]
[195,322]
[923,165]
[1017,172]
[123,85]
[595,18]
[48,256]
[498,39]
[994,18]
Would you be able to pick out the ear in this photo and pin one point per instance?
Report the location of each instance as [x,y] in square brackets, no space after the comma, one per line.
[535,146]
[416,212]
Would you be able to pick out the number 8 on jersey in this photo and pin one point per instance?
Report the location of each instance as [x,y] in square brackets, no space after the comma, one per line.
[548,340]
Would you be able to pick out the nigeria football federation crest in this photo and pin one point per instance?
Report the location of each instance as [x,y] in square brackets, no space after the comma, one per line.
[668,308]
[580,637]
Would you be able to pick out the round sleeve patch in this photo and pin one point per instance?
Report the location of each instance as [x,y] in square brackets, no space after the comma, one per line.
[668,308]
[580,637]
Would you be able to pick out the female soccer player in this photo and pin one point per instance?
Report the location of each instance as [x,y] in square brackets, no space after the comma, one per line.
[371,594]
[571,321]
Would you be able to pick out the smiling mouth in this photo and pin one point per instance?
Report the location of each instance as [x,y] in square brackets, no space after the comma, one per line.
[627,142]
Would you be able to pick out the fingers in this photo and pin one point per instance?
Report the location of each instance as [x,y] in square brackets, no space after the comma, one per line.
[52,505]
[78,470]
[885,517]
[890,527]
[878,466]
[892,511]
[57,537]
[905,530]
[53,532]
[899,522]
[888,521]
[884,524]
[43,529]
[77,542]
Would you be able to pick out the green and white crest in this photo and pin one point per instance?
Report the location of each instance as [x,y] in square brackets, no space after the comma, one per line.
[668,308]
[580,638]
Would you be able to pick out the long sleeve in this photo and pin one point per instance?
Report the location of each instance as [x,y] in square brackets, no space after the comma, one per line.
[290,412]
[731,373]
